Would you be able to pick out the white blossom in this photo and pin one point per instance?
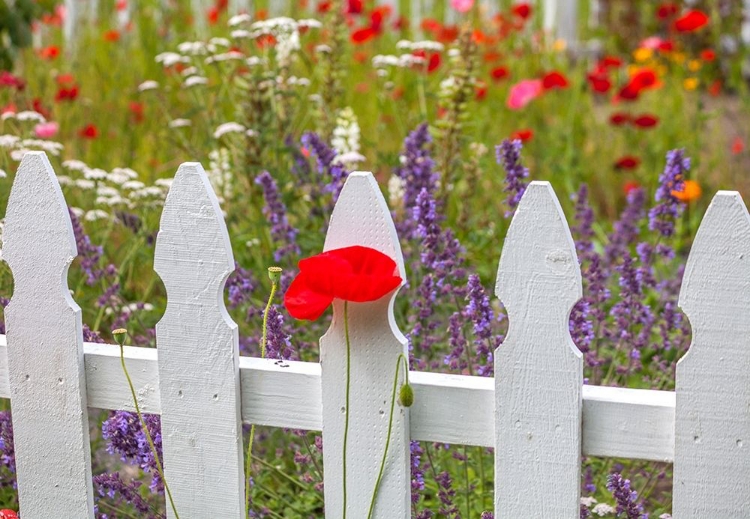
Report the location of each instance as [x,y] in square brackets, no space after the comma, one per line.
[239,19]
[220,41]
[96,214]
[240,34]
[3,174]
[95,174]
[148,85]
[77,212]
[164,182]
[30,115]
[171,58]
[17,155]
[179,123]
[83,183]
[225,128]
[132,185]
[195,80]
[9,141]
[75,165]
[603,509]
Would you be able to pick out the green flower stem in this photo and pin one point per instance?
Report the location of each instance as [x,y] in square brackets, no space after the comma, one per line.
[348,380]
[399,360]
[264,338]
[147,433]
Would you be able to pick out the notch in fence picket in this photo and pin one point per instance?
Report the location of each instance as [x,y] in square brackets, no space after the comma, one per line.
[712,419]
[45,350]
[198,350]
[538,369]
[361,217]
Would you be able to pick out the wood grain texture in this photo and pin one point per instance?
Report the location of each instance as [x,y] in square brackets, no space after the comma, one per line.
[712,421]
[456,409]
[198,354]
[45,350]
[538,369]
[361,217]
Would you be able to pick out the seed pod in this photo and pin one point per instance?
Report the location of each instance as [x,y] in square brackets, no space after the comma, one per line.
[406,396]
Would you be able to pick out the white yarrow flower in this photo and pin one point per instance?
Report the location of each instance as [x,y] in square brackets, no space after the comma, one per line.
[96,214]
[148,85]
[239,18]
[179,123]
[195,80]
[225,128]
[603,509]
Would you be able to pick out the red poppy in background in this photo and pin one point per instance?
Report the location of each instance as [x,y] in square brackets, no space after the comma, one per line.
[619,118]
[433,59]
[523,11]
[599,83]
[136,110]
[354,7]
[738,146]
[9,80]
[715,88]
[50,52]
[646,121]
[708,55]
[554,79]
[89,132]
[111,35]
[324,7]
[357,274]
[630,186]
[121,5]
[480,90]
[627,162]
[691,21]
[523,135]
[38,107]
[66,94]
[608,62]
[666,10]
[499,73]
[642,80]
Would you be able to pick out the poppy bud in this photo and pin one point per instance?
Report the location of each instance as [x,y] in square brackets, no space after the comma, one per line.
[274,274]
[406,395]
[119,335]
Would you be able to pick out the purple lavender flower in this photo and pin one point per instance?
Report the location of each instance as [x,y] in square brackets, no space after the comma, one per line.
[583,231]
[282,233]
[661,217]
[417,173]
[326,162]
[278,343]
[446,494]
[90,254]
[417,472]
[123,494]
[7,449]
[481,315]
[625,497]
[240,286]
[626,229]
[508,155]
[124,436]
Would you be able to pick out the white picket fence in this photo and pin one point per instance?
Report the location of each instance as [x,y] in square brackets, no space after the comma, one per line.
[536,413]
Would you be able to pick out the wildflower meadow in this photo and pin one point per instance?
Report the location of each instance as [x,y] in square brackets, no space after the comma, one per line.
[455,106]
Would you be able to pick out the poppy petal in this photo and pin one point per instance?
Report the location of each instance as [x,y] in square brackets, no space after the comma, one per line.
[302,302]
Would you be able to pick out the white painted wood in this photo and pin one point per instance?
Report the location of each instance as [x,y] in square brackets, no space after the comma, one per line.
[45,350]
[538,369]
[745,29]
[198,353]
[456,409]
[712,423]
[560,20]
[361,217]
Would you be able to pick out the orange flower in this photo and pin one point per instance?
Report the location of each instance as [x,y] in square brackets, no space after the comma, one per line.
[691,191]
[50,52]
[111,35]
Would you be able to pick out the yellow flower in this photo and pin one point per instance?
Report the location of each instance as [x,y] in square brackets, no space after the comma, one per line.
[694,65]
[678,57]
[690,83]
[559,45]
[642,54]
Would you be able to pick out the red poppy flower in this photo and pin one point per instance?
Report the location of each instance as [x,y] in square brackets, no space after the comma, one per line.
[523,11]
[67,94]
[433,60]
[136,110]
[630,186]
[357,274]
[691,21]
[430,25]
[599,83]
[666,10]
[619,118]
[8,514]
[627,162]
[121,5]
[708,55]
[50,52]
[363,35]
[499,73]
[646,121]
[715,88]
[491,56]
[111,35]
[609,62]
[665,46]
[9,80]
[324,7]
[738,146]
[38,107]
[554,79]
[354,7]
[480,90]
[89,132]
[642,80]
[523,135]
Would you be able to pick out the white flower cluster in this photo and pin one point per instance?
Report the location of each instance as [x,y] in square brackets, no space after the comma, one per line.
[220,172]
[345,139]
[427,45]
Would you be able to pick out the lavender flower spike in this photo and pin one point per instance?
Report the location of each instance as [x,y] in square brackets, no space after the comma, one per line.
[508,155]
[662,216]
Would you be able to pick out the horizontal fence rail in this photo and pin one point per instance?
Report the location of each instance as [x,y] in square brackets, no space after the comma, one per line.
[454,409]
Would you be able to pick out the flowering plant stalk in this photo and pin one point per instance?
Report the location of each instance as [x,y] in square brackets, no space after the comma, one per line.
[274,273]
[119,335]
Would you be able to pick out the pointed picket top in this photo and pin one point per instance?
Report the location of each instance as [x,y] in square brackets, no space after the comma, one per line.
[45,349]
[538,370]
[198,353]
[712,424]
[361,217]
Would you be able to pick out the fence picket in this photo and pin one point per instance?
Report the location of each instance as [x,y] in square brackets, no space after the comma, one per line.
[712,424]
[361,217]
[198,353]
[538,370]
[45,350]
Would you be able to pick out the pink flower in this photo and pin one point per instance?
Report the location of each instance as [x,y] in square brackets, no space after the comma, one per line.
[652,42]
[46,130]
[524,92]
[462,6]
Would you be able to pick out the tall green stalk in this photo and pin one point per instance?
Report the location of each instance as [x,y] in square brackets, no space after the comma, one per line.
[274,274]
[119,335]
